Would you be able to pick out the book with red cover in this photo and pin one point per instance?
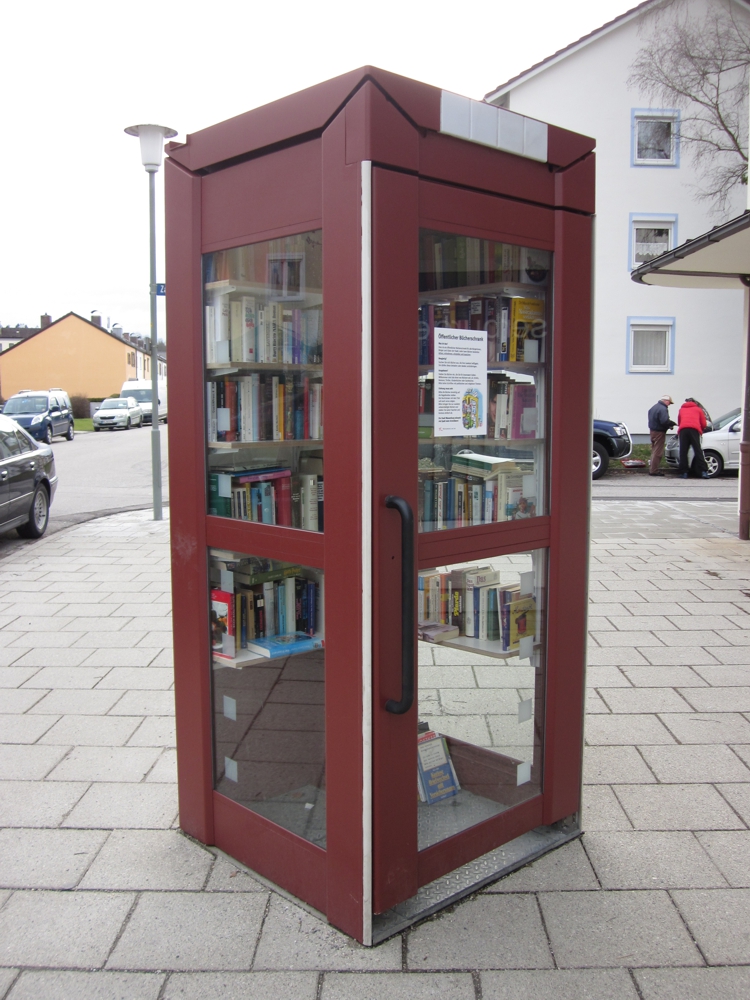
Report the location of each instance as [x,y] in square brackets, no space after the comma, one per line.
[230,401]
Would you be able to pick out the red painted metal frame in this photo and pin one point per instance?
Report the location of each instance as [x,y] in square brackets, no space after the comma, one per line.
[296,165]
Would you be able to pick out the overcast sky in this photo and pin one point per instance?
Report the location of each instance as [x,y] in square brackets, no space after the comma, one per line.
[74,196]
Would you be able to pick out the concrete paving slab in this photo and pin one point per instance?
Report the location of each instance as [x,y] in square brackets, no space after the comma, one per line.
[77,702]
[616,929]
[145,703]
[560,984]
[148,859]
[497,931]
[118,657]
[673,656]
[597,656]
[226,877]
[602,811]
[187,931]
[738,797]
[165,768]
[136,679]
[121,805]
[29,763]
[730,852]
[241,986]
[638,859]
[707,728]
[625,730]
[46,859]
[664,677]
[105,764]
[564,869]
[6,978]
[713,699]
[693,984]
[397,986]
[634,701]
[36,803]
[90,730]
[615,765]
[719,920]
[71,675]
[677,807]
[25,729]
[15,701]
[62,985]
[294,939]
[695,764]
[13,677]
[154,731]
[73,930]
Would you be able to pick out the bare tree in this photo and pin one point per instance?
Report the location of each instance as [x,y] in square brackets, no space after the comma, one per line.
[701,66]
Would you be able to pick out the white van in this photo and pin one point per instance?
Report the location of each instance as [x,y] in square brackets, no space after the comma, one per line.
[140,390]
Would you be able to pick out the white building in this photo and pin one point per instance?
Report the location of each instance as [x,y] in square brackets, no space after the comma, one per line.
[648,341]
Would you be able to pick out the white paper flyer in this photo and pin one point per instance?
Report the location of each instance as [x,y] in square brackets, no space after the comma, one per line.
[460,382]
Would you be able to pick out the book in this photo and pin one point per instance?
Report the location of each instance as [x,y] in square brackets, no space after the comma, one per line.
[285,645]
[523,411]
[522,620]
[430,631]
[222,624]
[473,580]
[526,326]
[436,775]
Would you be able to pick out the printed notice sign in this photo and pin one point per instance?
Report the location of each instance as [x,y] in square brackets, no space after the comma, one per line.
[460,382]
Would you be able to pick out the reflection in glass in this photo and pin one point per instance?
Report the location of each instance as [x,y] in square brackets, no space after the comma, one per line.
[483,351]
[481,690]
[264,381]
[268,687]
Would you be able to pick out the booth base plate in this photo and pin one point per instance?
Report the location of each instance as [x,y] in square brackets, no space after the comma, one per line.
[470,877]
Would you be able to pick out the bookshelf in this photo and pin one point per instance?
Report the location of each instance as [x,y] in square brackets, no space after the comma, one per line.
[369,379]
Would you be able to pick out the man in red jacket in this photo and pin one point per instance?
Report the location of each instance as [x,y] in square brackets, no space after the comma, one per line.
[691,423]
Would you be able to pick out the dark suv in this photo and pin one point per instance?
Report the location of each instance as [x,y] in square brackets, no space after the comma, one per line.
[42,414]
[611,440]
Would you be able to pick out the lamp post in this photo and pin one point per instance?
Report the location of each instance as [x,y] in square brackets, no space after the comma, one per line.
[152,146]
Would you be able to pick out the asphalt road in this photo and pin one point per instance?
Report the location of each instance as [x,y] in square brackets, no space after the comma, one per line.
[98,474]
[105,471]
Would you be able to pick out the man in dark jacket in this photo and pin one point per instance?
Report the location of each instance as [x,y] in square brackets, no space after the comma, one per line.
[658,424]
[691,423]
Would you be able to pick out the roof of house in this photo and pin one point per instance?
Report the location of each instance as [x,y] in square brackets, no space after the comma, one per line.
[580,43]
[101,329]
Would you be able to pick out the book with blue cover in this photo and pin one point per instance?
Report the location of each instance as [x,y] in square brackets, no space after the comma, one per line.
[436,776]
[285,645]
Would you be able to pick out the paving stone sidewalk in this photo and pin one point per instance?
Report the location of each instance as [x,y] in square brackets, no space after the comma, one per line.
[101,897]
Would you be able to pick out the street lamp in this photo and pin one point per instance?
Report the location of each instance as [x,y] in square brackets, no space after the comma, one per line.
[152,146]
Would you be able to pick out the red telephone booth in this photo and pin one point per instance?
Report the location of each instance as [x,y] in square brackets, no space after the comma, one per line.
[380,362]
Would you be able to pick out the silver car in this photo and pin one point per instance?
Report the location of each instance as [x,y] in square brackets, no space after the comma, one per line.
[721,444]
[121,412]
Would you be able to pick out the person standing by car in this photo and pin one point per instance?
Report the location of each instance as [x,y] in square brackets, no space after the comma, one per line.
[691,423]
[659,423]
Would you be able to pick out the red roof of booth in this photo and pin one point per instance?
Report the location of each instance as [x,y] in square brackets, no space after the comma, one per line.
[308,112]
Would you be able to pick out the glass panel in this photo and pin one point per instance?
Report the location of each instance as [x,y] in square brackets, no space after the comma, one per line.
[264,381]
[268,688]
[649,346]
[481,690]
[650,243]
[484,326]
[654,139]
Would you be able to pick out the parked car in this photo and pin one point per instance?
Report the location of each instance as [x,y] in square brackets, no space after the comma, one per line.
[721,444]
[140,390]
[118,412]
[611,440]
[43,413]
[27,481]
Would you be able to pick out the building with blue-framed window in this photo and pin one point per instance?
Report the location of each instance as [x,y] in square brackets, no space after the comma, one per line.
[648,341]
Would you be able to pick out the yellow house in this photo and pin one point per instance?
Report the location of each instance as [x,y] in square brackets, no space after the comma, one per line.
[73,354]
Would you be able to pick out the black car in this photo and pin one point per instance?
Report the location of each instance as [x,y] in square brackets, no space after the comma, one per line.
[611,440]
[42,413]
[27,481]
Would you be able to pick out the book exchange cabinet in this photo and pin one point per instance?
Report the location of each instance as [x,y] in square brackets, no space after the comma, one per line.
[380,447]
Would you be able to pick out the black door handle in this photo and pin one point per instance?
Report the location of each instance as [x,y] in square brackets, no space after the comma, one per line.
[407,607]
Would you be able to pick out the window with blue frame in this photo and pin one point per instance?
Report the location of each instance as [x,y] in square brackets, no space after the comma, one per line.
[655,140]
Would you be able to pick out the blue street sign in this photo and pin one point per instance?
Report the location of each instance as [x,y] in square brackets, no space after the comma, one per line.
[161,289]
